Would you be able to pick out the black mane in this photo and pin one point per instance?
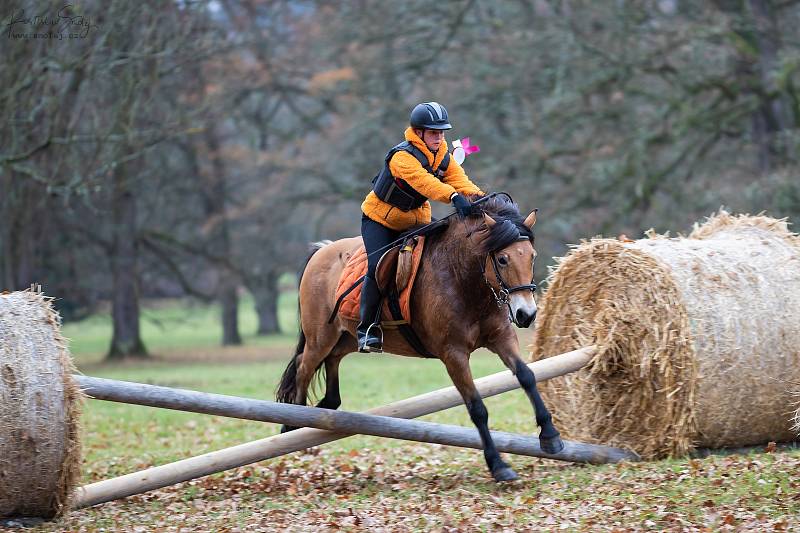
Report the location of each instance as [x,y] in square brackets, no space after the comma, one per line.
[510,225]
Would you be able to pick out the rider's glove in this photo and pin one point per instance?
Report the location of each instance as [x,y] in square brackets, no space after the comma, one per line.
[462,205]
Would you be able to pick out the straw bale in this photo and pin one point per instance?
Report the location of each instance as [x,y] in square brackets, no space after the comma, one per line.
[698,337]
[796,415]
[40,451]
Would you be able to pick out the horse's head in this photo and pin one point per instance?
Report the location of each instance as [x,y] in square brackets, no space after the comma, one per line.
[504,244]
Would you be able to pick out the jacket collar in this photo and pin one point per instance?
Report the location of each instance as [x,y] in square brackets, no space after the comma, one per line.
[433,160]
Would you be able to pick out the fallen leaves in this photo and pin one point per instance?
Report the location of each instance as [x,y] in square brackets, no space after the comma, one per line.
[771,447]
[432,488]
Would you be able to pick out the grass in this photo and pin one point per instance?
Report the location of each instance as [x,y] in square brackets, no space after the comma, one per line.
[168,326]
[372,483]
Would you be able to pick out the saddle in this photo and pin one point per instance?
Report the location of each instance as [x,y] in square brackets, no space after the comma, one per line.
[395,275]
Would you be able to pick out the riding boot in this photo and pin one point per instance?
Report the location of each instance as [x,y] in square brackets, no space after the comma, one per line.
[369,332]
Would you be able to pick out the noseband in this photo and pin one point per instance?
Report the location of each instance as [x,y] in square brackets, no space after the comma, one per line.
[503,296]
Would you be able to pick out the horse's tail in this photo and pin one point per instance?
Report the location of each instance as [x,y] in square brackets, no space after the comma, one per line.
[288,384]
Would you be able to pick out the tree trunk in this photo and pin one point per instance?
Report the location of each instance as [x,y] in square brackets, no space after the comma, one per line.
[229,301]
[777,107]
[220,242]
[22,210]
[6,234]
[126,341]
[26,239]
[266,297]
[773,115]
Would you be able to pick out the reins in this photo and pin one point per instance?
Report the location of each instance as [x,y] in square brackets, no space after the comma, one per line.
[501,297]
[421,229]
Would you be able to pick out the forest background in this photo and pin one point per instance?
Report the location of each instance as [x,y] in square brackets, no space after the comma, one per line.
[192,150]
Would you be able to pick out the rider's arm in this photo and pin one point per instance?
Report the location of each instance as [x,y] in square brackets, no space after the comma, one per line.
[405,166]
[457,178]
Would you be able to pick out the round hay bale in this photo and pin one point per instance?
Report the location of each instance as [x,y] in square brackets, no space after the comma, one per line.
[39,410]
[698,337]
[796,419]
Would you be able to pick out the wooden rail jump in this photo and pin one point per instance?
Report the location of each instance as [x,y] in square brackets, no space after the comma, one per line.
[324,425]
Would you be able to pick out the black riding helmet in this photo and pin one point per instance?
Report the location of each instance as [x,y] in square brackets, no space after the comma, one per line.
[430,116]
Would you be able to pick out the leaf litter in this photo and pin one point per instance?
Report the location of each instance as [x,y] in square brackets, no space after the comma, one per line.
[433,488]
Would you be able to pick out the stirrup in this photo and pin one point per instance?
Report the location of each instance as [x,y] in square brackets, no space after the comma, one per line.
[374,349]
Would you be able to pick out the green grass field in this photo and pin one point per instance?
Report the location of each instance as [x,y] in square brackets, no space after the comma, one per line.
[170,326]
[366,483]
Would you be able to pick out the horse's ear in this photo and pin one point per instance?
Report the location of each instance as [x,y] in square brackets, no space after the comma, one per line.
[531,220]
[489,220]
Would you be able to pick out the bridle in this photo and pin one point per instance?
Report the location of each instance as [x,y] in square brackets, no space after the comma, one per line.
[503,296]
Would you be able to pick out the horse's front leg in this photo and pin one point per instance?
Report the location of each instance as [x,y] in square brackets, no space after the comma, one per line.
[508,350]
[457,365]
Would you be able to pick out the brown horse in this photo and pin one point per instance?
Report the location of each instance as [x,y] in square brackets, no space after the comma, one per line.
[474,280]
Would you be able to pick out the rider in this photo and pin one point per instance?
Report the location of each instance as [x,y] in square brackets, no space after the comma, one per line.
[418,169]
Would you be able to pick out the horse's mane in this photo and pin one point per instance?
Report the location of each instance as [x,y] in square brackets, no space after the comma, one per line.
[510,225]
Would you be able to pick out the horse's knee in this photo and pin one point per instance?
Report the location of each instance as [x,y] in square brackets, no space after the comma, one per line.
[525,376]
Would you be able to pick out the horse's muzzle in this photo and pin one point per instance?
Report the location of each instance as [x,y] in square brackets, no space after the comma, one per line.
[524,319]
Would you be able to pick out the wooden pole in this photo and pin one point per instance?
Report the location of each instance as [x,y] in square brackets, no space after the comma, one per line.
[277,445]
[338,421]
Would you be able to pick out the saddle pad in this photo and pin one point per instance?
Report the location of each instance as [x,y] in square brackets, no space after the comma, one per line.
[356,267]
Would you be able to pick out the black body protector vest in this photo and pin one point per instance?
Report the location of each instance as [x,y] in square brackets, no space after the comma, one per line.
[398,192]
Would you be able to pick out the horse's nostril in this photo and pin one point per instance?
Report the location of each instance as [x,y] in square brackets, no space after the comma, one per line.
[524,319]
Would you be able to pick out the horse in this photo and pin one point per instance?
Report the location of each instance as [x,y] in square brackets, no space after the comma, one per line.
[457,307]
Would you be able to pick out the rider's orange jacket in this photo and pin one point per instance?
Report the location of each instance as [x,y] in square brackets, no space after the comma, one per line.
[405,166]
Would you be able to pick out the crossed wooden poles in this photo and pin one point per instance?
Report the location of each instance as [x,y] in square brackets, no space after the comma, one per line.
[325,425]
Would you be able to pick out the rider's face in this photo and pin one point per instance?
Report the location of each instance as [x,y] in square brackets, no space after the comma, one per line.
[432,138]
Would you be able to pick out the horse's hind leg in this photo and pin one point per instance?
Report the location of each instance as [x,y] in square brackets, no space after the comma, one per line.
[317,350]
[332,399]
[309,362]
[508,350]
[458,368]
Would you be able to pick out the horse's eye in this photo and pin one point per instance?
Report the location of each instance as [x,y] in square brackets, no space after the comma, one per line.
[502,260]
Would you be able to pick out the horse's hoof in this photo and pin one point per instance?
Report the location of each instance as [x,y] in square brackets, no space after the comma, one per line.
[505,473]
[287,429]
[551,445]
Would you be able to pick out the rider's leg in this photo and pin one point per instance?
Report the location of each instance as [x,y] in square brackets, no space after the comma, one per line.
[368,332]
[375,236]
